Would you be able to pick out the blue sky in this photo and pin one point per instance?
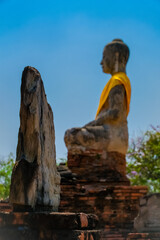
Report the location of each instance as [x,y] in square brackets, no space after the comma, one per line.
[64,40]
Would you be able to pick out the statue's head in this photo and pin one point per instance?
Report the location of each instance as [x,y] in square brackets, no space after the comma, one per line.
[115,57]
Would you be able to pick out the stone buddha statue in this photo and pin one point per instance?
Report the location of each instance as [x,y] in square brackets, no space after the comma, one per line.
[109,131]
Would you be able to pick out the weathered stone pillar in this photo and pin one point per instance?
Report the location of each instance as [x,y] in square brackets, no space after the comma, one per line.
[35,183]
[148,219]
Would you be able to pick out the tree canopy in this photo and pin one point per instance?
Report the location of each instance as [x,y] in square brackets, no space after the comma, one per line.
[143,165]
[6,167]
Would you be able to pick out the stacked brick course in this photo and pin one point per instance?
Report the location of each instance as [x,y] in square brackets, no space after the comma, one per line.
[144,236]
[89,186]
[45,226]
[5,207]
[93,184]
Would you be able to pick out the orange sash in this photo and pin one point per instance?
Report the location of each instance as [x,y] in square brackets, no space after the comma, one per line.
[116,79]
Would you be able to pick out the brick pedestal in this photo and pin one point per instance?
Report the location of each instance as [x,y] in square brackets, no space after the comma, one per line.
[95,184]
[99,166]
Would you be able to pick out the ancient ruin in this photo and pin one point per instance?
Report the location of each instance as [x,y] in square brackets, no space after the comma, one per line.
[148,219]
[95,180]
[45,226]
[35,181]
[96,198]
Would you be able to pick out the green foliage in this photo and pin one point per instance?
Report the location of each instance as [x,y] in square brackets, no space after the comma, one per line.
[6,167]
[143,165]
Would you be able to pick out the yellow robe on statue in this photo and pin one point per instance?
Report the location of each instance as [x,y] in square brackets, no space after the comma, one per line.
[116,79]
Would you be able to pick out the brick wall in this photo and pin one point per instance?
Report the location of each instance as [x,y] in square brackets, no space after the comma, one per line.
[93,184]
[47,226]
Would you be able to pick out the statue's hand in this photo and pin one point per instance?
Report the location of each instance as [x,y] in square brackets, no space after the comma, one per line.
[116,106]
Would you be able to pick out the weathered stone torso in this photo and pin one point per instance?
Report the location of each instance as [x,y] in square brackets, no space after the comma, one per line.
[118,129]
[109,132]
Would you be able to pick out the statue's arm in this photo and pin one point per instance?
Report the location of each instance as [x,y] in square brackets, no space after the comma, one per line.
[116,101]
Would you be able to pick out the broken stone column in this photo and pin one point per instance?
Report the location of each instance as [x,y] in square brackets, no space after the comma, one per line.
[35,182]
[148,219]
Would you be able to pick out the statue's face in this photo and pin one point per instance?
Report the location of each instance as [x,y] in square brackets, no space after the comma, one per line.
[115,56]
[106,61]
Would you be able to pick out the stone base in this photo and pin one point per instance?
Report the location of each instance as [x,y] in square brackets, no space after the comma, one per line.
[144,236]
[53,226]
[99,166]
[148,219]
[116,206]
[96,183]
[27,208]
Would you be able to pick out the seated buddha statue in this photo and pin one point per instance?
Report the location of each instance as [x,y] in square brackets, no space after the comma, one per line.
[109,131]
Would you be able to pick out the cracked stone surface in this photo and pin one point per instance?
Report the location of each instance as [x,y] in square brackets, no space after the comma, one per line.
[148,219]
[35,181]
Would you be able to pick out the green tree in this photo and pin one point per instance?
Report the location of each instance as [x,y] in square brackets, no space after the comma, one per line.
[6,167]
[143,160]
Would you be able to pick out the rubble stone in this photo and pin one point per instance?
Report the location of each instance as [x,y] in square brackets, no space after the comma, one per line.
[148,219]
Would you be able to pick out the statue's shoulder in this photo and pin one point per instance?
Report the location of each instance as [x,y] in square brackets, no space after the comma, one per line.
[118,89]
